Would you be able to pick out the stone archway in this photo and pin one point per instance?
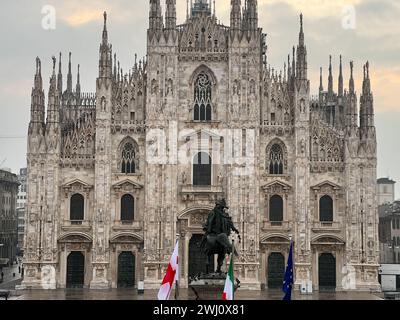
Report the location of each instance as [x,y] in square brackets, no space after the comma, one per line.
[190,227]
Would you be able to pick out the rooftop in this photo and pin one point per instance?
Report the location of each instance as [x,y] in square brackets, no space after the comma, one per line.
[386,181]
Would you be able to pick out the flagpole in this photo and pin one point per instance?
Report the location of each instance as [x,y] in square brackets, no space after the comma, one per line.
[233,251]
[178,271]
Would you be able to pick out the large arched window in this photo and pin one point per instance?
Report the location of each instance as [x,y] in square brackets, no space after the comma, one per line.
[276,209]
[326,209]
[129,156]
[202,169]
[276,160]
[202,98]
[77,207]
[127,208]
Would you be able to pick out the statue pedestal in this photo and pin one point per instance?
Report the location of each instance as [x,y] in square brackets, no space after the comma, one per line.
[210,286]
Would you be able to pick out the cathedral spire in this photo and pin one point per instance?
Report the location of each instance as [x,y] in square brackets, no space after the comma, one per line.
[53,110]
[38,75]
[301,34]
[78,83]
[37,101]
[201,7]
[59,77]
[236,14]
[330,78]
[170,15]
[69,76]
[53,78]
[293,63]
[340,85]
[321,86]
[351,101]
[252,15]
[105,52]
[301,54]
[351,81]
[367,101]
[105,33]
[155,16]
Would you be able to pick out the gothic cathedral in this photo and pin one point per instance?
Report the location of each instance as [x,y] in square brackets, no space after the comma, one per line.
[115,177]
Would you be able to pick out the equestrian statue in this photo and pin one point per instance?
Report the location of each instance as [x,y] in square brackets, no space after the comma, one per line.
[217,230]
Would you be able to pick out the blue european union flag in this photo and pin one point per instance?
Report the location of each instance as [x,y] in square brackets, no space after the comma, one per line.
[288,280]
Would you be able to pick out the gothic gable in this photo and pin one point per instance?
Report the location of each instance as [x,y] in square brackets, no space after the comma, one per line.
[326,185]
[277,187]
[127,185]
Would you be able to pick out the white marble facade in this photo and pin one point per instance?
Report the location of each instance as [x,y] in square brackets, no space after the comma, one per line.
[307,170]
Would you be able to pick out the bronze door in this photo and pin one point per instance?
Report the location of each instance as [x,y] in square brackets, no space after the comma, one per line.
[327,271]
[126,270]
[276,270]
[75,270]
[197,259]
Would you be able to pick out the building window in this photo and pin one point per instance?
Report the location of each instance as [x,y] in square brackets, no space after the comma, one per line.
[202,98]
[202,169]
[276,160]
[129,158]
[127,208]
[77,206]
[326,209]
[276,209]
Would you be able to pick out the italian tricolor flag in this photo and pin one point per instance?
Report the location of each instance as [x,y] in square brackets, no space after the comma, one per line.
[229,283]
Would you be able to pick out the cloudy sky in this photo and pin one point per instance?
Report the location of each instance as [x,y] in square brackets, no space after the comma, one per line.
[360,30]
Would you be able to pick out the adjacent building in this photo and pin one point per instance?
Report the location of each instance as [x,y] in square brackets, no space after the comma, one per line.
[385,190]
[115,175]
[8,217]
[21,208]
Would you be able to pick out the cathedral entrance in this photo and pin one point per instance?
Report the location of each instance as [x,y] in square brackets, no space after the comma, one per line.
[327,271]
[276,270]
[126,270]
[197,259]
[75,270]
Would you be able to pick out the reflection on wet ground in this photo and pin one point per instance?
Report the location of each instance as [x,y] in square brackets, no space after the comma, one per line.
[184,294]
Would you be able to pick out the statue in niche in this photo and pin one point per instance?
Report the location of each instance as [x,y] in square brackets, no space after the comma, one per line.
[169,88]
[103,104]
[184,178]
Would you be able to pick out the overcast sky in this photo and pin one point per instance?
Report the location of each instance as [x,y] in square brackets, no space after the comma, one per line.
[328,27]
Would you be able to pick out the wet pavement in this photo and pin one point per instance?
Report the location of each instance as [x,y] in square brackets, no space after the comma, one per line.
[12,277]
[131,294]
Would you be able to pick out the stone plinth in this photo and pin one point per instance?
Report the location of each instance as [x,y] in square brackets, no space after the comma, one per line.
[210,287]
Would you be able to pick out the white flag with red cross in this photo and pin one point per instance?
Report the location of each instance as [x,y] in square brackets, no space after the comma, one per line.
[171,276]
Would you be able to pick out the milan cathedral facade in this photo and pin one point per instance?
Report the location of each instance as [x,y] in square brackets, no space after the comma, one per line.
[109,193]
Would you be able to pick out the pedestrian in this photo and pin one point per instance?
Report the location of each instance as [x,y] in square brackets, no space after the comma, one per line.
[19,269]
